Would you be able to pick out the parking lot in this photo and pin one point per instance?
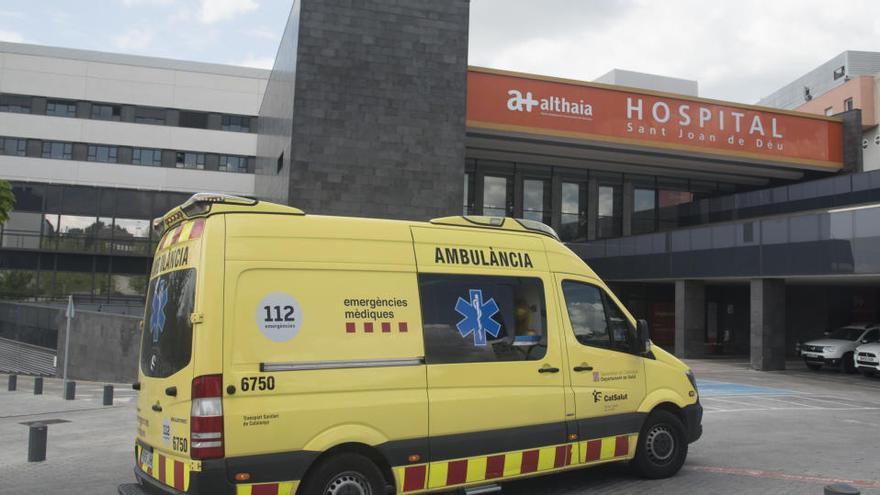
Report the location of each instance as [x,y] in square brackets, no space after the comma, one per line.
[764,432]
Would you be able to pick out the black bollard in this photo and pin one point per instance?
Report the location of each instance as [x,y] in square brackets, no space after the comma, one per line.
[13,382]
[37,442]
[38,385]
[841,489]
[70,391]
[108,395]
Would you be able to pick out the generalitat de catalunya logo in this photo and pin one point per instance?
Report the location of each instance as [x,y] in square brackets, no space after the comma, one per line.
[551,106]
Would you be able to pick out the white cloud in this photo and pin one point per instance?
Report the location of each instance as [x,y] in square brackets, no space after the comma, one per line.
[737,51]
[212,11]
[134,40]
[11,36]
[256,62]
[263,32]
[138,3]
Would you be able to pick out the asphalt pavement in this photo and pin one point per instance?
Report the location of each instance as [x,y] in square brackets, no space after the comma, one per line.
[787,432]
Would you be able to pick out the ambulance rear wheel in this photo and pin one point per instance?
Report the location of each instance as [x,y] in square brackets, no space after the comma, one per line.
[345,474]
[662,446]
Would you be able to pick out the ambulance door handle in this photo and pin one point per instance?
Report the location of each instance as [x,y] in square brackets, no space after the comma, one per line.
[171,391]
[583,367]
[157,407]
[548,369]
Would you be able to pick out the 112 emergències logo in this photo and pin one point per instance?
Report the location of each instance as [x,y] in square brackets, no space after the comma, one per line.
[552,106]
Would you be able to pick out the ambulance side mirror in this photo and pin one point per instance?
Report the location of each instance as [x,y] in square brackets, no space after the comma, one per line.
[643,336]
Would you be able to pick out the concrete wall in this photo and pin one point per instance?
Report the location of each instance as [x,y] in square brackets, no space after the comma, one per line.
[275,137]
[654,82]
[378,109]
[30,323]
[103,347]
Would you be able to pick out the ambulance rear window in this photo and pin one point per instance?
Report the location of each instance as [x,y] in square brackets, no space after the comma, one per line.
[166,346]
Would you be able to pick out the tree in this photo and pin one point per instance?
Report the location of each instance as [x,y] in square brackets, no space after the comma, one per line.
[7,200]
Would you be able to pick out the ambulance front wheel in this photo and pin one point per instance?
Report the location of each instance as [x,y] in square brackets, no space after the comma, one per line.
[662,446]
[345,474]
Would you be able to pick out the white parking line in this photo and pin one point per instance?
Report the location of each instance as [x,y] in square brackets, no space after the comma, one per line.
[794,409]
[791,403]
[728,401]
[838,402]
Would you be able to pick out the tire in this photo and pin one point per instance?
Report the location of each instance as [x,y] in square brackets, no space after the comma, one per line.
[814,367]
[662,447]
[848,365]
[346,473]
[867,372]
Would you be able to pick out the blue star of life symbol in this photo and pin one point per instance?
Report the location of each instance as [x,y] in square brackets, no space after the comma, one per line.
[157,310]
[477,317]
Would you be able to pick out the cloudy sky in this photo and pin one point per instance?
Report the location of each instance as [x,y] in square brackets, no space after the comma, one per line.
[737,51]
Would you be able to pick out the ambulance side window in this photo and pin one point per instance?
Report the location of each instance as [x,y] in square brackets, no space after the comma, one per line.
[595,320]
[468,318]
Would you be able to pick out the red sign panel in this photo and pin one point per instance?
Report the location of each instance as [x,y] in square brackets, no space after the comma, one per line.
[521,103]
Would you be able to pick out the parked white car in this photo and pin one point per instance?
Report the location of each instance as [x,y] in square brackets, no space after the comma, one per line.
[867,358]
[838,347]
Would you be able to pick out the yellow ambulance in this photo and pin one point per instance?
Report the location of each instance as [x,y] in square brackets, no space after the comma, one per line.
[285,353]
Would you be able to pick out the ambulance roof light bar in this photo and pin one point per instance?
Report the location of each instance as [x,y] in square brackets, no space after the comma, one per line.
[198,204]
[501,223]
[537,226]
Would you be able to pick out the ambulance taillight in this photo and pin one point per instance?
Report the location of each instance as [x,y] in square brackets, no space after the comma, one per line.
[206,417]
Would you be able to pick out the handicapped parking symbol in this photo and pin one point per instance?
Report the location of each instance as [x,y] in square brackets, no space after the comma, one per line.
[477,317]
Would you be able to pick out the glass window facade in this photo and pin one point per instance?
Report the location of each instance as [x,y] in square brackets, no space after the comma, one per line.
[57,150]
[190,160]
[110,154]
[495,196]
[106,112]
[146,156]
[236,123]
[468,206]
[13,146]
[58,108]
[573,208]
[15,104]
[644,210]
[196,120]
[99,110]
[585,204]
[232,163]
[90,241]
[146,115]
[610,211]
[98,153]
[536,200]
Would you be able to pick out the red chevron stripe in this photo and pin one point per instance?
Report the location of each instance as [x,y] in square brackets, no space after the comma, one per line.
[414,478]
[529,461]
[621,446]
[494,466]
[456,472]
[594,450]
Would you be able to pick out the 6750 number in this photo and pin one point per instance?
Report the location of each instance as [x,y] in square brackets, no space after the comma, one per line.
[249,383]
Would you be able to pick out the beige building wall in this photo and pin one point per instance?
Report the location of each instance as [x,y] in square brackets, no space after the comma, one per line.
[862,91]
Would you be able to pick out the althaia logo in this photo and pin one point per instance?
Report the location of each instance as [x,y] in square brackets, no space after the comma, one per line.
[557,106]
